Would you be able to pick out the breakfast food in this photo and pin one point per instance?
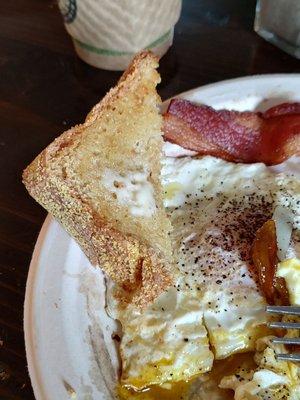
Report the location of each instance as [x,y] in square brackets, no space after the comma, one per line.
[193,247]
[270,137]
[100,179]
[216,308]
[269,380]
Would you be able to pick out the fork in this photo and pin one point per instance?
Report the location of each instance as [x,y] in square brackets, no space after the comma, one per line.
[285,310]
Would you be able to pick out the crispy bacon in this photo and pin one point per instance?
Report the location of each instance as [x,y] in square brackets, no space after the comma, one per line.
[282,109]
[270,137]
[264,256]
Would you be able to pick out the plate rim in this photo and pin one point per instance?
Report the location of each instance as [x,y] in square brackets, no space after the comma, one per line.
[233,80]
[34,374]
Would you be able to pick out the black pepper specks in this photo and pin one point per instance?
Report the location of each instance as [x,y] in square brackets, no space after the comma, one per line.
[214,228]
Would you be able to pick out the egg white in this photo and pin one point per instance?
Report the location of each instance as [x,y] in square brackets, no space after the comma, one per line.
[215,309]
[270,380]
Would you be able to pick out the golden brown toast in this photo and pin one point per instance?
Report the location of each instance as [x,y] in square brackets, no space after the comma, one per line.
[101,180]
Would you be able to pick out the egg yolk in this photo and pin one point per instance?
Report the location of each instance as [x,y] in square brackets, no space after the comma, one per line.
[181,390]
[174,391]
[290,271]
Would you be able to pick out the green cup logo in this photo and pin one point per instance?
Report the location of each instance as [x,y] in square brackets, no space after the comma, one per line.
[68,9]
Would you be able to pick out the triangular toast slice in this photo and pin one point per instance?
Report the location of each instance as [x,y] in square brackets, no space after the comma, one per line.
[101,180]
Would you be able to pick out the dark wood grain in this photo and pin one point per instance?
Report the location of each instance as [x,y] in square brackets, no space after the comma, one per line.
[45,88]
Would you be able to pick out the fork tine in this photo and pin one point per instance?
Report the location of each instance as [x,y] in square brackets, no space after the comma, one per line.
[286,310]
[286,340]
[285,325]
[288,357]
[289,310]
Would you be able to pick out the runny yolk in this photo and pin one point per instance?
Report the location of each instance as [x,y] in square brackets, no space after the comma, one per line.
[176,391]
[181,390]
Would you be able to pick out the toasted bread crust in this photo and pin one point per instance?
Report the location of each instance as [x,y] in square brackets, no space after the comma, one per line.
[141,272]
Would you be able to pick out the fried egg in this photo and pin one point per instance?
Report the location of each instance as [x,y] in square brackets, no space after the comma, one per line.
[215,308]
[271,380]
[167,343]
[215,212]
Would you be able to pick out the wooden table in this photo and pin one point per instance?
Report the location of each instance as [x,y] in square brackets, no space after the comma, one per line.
[45,88]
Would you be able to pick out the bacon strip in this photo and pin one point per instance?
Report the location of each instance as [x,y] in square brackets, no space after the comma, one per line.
[282,109]
[270,137]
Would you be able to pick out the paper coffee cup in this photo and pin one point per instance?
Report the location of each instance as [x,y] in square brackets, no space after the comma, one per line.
[108,33]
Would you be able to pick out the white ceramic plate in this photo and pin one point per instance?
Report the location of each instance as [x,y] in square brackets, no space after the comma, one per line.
[69,347]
